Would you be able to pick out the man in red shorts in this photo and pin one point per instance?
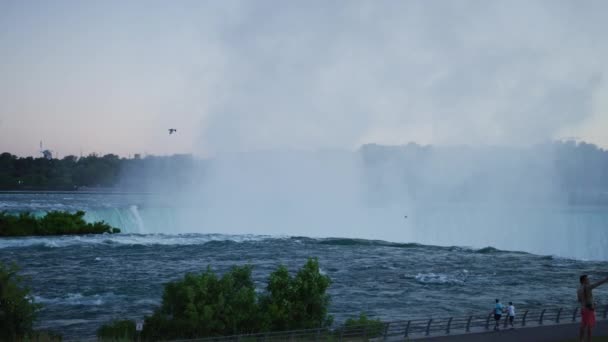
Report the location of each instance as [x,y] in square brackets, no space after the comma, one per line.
[585,297]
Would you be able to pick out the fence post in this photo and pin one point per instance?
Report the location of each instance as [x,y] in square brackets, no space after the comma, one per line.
[386,331]
[542,314]
[488,322]
[318,334]
[407,328]
[559,313]
[605,311]
[428,327]
[574,314]
[447,331]
[468,328]
[523,320]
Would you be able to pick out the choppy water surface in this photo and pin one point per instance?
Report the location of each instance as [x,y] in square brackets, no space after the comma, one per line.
[86,281]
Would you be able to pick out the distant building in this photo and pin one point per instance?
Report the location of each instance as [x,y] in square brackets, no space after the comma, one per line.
[47,154]
[137,156]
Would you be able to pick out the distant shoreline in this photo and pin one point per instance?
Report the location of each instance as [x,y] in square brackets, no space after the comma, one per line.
[83,192]
[574,200]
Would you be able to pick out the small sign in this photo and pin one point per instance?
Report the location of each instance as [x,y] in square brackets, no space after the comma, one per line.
[139,325]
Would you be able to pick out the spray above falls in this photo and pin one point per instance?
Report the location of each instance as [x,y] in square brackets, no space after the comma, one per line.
[506,197]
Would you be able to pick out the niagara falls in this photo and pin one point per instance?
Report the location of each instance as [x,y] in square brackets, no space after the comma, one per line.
[305,170]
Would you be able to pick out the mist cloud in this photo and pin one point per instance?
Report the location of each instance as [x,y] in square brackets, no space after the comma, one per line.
[241,75]
[339,74]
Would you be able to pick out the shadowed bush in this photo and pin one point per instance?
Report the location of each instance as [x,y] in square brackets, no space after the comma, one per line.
[17,308]
[300,302]
[53,223]
[205,304]
[120,330]
[369,327]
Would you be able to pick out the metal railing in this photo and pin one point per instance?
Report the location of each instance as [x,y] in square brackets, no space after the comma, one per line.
[418,328]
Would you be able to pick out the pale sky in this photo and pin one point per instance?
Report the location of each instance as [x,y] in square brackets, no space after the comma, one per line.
[113,76]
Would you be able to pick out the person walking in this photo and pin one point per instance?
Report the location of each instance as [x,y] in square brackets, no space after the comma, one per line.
[585,298]
[498,310]
[511,314]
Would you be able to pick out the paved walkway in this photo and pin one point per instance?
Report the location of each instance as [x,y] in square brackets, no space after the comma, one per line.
[560,332]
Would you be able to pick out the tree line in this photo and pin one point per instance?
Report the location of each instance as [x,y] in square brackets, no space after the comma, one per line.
[565,172]
[92,171]
[569,170]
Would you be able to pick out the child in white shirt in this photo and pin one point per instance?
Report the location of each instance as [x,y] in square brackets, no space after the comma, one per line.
[511,313]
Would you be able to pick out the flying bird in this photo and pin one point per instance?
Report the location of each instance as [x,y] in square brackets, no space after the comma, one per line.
[172,130]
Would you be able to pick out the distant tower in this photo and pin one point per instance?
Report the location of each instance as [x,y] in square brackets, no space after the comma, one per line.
[46,154]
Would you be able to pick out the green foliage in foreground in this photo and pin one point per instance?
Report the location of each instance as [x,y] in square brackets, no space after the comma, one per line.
[206,305]
[123,330]
[202,305]
[369,327]
[42,336]
[17,309]
[300,302]
[53,223]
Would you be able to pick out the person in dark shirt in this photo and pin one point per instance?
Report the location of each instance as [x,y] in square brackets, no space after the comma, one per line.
[498,310]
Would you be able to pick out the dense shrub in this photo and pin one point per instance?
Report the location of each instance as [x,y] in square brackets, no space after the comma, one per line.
[53,223]
[17,309]
[43,336]
[300,302]
[206,305]
[201,305]
[277,302]
[367,327]
[117,330]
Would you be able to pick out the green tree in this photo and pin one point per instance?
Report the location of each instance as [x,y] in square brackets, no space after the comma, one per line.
[17,308]
[300,302]
[206,305]
[276,304]
[311,302]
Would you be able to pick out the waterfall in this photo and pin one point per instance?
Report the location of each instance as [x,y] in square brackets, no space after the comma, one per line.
[138,220]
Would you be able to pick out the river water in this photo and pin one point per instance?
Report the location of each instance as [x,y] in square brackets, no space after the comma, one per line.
[85,281]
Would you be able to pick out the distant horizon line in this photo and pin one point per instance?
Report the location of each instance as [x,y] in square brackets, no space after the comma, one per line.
[575,140]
